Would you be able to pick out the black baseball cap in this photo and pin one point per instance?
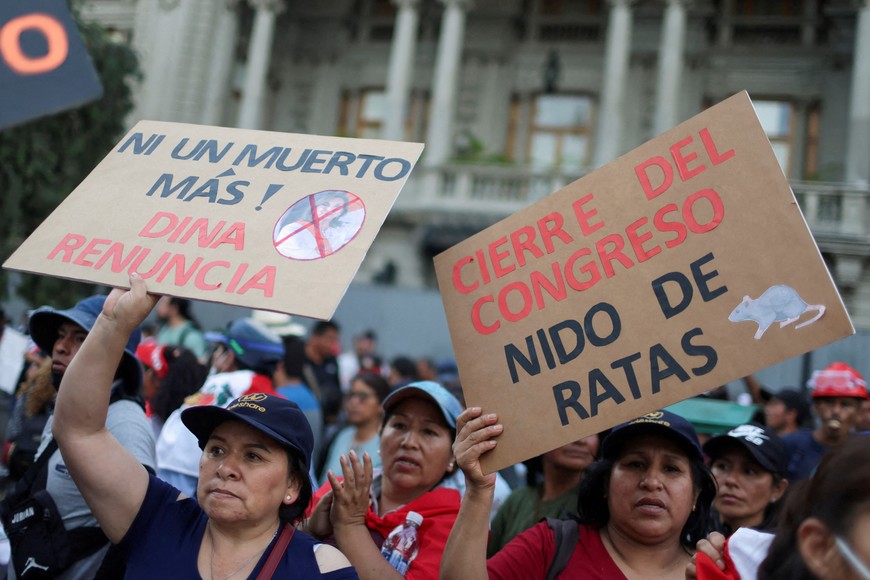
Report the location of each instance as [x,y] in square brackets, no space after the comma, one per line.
[660,422]
[277,417]
[765,447]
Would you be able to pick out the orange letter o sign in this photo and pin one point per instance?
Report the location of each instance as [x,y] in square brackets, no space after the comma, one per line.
[55,36]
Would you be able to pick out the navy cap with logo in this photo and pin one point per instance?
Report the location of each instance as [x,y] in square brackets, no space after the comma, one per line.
[46,321]
[660,422]
[280,419]
[765,447]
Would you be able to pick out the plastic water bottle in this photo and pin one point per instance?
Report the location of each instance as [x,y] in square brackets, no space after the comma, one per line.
[401,546]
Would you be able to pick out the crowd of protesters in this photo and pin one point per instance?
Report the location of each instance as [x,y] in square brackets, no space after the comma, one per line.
[262,448]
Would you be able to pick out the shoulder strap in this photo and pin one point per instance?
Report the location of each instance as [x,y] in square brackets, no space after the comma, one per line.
[184,332]
[566,536]
[277,553]
[33,479]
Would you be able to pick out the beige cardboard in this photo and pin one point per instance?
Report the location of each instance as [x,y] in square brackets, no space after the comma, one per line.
[253,188]
[747,236]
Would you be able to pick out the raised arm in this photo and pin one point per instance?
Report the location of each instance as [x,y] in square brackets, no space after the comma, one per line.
[109,477]
[347,514]
[465,553]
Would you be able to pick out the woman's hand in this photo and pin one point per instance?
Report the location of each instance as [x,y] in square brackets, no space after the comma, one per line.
[714,547]
[128,308]
[475,435]
[318,524]
[351,496]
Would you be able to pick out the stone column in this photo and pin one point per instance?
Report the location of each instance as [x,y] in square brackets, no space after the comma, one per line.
[221,67]
[259,55]
[401,63]
[444,83]
[670,66]
[858,151]
[616,60]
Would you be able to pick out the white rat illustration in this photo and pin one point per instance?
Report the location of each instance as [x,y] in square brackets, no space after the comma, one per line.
[778,303]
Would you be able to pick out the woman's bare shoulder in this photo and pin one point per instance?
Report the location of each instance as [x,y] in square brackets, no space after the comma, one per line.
[330,558]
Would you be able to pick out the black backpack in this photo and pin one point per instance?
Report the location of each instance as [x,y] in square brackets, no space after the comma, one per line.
[42,547]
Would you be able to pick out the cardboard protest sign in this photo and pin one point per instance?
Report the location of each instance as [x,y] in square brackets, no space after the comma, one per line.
[44,67]
[272,221]
[13,346]
[680,266]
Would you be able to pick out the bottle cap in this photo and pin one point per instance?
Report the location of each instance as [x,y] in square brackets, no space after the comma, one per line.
[414,517]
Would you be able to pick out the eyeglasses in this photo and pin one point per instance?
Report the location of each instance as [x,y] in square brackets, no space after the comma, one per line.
[362,397]
[852,558]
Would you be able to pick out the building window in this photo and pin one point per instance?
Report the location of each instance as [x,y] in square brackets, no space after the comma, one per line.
[371,113]
[560,132]
[363,114]
[777,120]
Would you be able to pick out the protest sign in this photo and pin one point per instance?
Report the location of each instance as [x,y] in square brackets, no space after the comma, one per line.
[13,346]
[272,221]
[678,267]
[44,67]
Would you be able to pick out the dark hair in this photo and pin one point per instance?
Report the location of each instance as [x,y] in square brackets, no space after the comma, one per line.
[183,306]
[184,377]
[323,326]
[376,382]
[406,367]
[593,510]
[293,512]
[837,494]
[294,356]
[535,465]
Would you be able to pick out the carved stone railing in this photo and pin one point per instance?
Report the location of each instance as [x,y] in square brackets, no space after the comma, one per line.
[832,210]
[837,209]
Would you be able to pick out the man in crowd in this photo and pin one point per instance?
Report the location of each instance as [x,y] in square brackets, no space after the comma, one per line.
[179,328]
[838,391]
[61,333]
[363,358]
[321,368]
[786,411]
[288,381]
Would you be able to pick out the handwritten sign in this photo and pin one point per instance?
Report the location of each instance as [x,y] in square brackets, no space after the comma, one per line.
[44,67]
[271,221]
[678,267]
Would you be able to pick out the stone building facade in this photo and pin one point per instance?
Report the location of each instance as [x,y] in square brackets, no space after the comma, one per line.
[516,98]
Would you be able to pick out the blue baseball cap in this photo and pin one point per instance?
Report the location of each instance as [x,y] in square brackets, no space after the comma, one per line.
[277,417]
[46,321]
[429,390]
[254,344]
[660,422]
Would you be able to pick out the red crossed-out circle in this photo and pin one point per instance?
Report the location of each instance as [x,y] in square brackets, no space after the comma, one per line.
[319,225]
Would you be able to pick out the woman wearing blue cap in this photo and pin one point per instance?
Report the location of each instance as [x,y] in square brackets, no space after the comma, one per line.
[253,483]
[362,511]
[642,506]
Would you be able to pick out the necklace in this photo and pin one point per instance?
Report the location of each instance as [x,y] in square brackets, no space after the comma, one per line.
[243,564]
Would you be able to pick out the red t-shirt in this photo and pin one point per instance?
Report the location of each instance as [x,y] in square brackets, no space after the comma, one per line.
[438,508]
[530,553]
